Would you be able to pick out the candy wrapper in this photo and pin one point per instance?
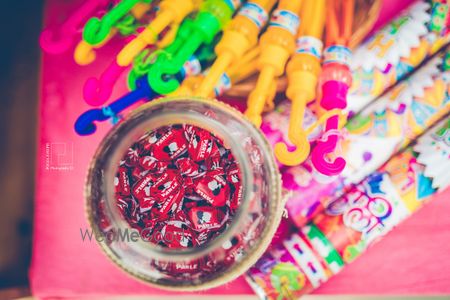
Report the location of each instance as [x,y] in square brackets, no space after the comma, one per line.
[350,224]
[397,49]
[372,136]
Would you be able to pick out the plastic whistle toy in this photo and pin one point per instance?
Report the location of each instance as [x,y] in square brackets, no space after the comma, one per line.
[85,124]
[335,80]
[171,13]
[97,91]
[97,30]
[84,53]
[58,43]
[303,71]
[212,17]
[277,44]
[239,36]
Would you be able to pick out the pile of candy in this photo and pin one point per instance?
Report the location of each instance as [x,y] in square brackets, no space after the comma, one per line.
[178,186]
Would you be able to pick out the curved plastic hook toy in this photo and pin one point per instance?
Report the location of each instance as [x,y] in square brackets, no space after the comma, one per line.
[84,53]
[96,30]
[172,12]
[336,79]
[85,124]
[97,91]
[303,71]
[323,148]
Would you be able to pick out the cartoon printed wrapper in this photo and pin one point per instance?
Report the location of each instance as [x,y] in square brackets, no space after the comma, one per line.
[396,50]
[372,136]
[348,226]
[432,151]
[395,119]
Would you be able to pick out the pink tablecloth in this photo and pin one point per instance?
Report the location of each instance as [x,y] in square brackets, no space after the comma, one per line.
[411,260]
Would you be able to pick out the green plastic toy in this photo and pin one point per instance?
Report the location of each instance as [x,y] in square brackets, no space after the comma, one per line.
[211,19]
[96,30]
[143,62]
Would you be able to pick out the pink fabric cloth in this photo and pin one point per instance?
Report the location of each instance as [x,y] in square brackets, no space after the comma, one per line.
[411,260]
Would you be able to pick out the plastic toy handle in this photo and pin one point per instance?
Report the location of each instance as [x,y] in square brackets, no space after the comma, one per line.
[324,148]
[213,15]
[296,135]
[96,30]
[84,53]
[147,37]
[239,36]
[259,96]
[97,91]
[277,44]
[85,124]
[335,81]
[214,74]
[171,11]
[303,71]
[68,30]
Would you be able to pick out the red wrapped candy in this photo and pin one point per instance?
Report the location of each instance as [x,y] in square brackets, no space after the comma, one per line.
[200,145]
[214,188]
[206,218]
[142,189]
[234,180]
[175,236]
[151,164]
[122,182]
[170,145]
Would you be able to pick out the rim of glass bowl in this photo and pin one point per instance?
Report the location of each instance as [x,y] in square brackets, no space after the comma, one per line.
[121,137]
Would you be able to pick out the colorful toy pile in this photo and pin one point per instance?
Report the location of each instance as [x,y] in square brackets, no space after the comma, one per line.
[347,182]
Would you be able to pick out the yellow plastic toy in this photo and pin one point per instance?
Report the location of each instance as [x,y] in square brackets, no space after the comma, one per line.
[277,44]
[171,13]
[240,36]
[303,71]
[84,52]
[237,72]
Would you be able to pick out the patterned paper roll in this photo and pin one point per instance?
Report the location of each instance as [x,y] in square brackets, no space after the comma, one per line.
[350,224]
[397,49]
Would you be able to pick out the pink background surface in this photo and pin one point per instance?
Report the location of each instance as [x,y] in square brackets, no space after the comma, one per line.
[411,260]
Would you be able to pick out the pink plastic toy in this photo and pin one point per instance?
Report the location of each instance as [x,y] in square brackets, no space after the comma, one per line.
[97,91]
[336,78]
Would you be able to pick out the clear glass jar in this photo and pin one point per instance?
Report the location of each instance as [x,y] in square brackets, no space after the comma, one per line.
[231,253]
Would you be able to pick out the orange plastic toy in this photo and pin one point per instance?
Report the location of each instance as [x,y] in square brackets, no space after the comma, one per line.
[277,44]
[171,13]
[303,71]
[240,36]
